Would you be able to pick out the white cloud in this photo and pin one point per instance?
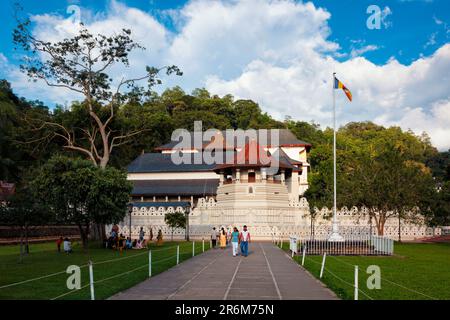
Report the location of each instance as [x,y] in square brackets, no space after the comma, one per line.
[356,52]
[277,53]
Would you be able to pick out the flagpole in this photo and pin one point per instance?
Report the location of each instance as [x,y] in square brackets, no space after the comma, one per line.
[335,236]
[334,153]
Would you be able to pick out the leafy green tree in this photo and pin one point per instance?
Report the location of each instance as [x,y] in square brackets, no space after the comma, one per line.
[379,168]
[24,212]
[439,206]
[388,185]
[305,131]
[82,194]
[175,220]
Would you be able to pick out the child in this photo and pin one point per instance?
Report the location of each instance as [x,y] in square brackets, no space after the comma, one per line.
[121,243]
[128,243]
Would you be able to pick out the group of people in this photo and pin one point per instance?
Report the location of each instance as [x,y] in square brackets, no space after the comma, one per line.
[118,241]
[237,239]
[66,244]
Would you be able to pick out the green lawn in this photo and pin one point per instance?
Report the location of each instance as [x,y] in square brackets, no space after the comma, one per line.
[108,265]
[415,272]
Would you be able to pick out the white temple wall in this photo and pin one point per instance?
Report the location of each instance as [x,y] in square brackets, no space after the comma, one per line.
[265,223]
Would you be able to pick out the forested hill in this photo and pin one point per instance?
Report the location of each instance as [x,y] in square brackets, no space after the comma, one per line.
[22,145]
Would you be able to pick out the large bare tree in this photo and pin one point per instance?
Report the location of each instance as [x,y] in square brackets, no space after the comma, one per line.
[82,64]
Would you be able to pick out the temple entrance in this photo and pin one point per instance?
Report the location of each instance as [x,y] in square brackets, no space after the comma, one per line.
[251,177]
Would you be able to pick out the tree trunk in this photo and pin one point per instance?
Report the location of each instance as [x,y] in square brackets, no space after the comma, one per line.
[84,236]
[27,247]
[21,246]
[380,226]
[98,232]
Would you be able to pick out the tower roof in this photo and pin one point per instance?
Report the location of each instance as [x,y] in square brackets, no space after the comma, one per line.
[253,155]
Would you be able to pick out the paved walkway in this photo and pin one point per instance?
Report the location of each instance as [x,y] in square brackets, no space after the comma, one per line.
[267,273]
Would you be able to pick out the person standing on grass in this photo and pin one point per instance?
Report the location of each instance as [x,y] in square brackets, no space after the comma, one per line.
[213,237]
[245,239]
[67,245]
[121,244]
[235,241]
[59,243]
[141,234]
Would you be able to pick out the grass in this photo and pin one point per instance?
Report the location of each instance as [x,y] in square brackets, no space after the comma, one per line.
[108,267]
[415,272]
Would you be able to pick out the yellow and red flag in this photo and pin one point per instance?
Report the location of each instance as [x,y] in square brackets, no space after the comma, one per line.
[340,85]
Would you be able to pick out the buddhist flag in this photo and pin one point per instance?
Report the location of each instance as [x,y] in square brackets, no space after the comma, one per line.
[340,85]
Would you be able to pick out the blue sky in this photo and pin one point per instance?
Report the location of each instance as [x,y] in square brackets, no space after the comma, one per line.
[278,53]
[413,23]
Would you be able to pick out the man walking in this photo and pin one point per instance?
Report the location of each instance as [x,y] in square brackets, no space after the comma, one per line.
[213,237]
[245,239]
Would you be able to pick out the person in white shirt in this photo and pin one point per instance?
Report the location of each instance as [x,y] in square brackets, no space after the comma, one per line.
[245,239]
[213,237]
[67,245]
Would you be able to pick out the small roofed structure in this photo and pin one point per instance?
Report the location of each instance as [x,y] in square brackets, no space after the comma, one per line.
[256,179]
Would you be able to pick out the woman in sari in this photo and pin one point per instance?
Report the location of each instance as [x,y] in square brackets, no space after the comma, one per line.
[223,239]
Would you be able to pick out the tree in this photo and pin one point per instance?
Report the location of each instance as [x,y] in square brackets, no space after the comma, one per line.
[81,64]
[80,193]
[175,220]
[381,169]
[439,207]
[387,185]
[23,211]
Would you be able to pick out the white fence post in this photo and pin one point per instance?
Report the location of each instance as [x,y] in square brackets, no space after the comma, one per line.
[356,283]
[203,245]
[91,280]
[193,248]
[303,257]
[323,264]
[149,263]
[178,254]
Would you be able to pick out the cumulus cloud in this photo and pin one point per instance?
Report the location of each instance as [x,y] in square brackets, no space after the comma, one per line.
[277,53]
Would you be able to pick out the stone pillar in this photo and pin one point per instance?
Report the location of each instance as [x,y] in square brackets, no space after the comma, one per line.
[238,175]
[295,186]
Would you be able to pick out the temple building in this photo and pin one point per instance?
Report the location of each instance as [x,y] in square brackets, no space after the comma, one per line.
[258,181]
[261,182]
[156,178]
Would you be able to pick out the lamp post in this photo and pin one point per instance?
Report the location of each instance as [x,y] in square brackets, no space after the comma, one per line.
[187,210]
[130,210]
